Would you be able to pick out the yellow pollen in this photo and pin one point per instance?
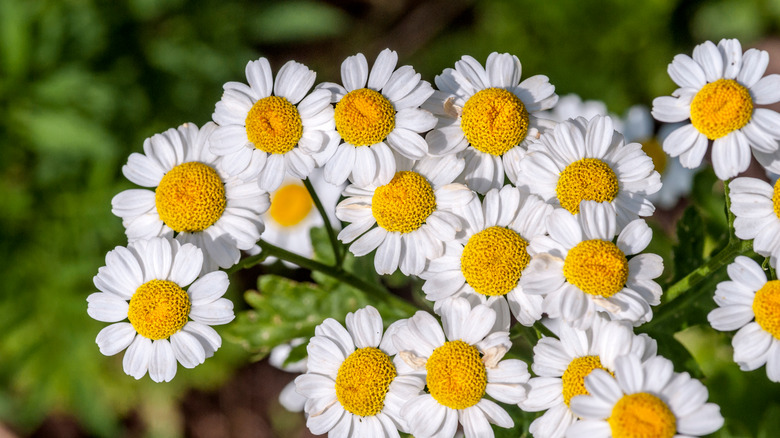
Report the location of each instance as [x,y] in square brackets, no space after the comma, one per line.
[588,179]
[493,260]
[766,307]
[456,375]
[574,376]
[190,197]
[273,125]
[596,267]
[290,205]
[776,198]
[363,380]
[404,203]
[655,151]
[158,309]
[364,117]
[494,121]
[721,107]
[642,415]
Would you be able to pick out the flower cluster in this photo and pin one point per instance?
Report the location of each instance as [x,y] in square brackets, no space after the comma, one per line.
[508,213]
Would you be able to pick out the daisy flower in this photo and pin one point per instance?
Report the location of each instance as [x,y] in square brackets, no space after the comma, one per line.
[580,270]
[352,386]
[750,303]
[581,160]
[490,258]
[458,365]
[144,283]
[719,91]
[561,366]
[413,214]
[377,112]
[289,397]
[292,215]
[191,197]
[487,115]
[643,399]
[756,206]
[271,128]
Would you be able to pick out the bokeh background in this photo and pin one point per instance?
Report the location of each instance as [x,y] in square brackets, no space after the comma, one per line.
[84,82]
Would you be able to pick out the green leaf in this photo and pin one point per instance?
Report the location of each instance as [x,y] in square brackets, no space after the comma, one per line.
[689,250]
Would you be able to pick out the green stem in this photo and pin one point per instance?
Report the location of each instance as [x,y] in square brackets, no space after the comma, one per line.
[334,243]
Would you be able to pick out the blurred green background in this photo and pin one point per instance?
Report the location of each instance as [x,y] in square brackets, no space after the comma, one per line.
[84,82]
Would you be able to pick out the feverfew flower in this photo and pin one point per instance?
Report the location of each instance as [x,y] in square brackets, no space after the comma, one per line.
[269,129]
[144,283]
[458,366]
[719,91]
[489,259]
[377,112]
[756,206]
[487,115]
[413,214]
[562,365]
[580,271]
[749,302]
[643,399]
[587,160]
[192,197]
[352,387]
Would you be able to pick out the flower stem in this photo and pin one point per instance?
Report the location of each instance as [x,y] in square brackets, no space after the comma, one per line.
[334,243]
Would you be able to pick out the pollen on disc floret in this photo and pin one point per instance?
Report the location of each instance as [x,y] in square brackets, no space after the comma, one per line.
[574,377]
[290,205]
[720,108]
[642,415]
[456,375]
[766,306]
[158,309]
[596,267]
[494,121]
[588,179]
[493,260]
[274,125]
[364,117]
[363,380]
[403,204]
[190,197]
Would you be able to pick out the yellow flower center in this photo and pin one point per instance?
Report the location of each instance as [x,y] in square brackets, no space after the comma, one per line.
[574,376]
[456,375]
[404,203]
[655,151]
[273,125]
[766,307]
[721,107]
[190,197]
[494,121]
[493,260]
[776,198]
[363,380]
[364,117]
[290,204]
[596,267]
[588,179]
[158,309]
[642,415]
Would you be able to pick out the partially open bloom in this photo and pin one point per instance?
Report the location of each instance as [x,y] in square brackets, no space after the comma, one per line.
[580,270]
[487,115]
[750,304]
[756,206]
[458,366]
[270,128]
[720,89]
[352,386]
[191,197]
[643,399]
[561,366]
[145,284]
[377,112]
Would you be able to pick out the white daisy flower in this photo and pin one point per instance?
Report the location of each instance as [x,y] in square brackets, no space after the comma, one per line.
[487,115]
[289,397]
[561,366]
[352,386]
[580,270]
[756,206]
[413,214]
[750,303]
[144,284]
[490,258]
[192,197]
[269,129]
[458,366]
[638,126]
[377,112]
[719,91]
[582,160]
[292,215]
[643,399]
